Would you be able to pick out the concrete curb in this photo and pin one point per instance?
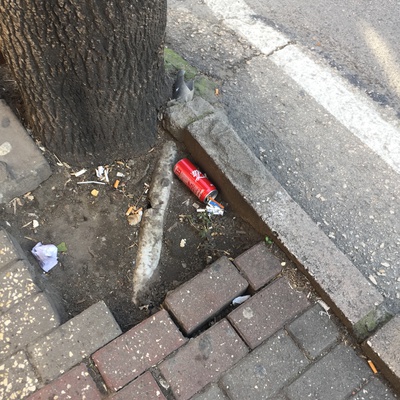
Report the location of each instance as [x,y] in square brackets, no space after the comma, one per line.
[260,199]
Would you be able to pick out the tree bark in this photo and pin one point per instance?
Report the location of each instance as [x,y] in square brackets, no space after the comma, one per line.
[90,72]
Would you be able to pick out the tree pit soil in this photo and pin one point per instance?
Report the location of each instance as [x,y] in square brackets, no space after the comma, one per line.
[101,245]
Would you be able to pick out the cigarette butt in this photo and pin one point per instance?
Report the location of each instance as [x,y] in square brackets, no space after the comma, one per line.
[94,192]
[130,209]
[116,184]
[216,91]
[372,366]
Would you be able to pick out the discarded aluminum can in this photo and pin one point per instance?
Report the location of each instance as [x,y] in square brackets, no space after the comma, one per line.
[195,180]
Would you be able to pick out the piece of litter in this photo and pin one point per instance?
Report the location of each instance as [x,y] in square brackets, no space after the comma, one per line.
[136,216]
[46,254]
[129,211]
[216,91]
[35,224]
[201,210]
[116,184]
[79,173]
[215,208]
[323,305]
[182,243]
[100,171]
[94,193]
[87,182]
[196,206]
[373,280]
[62,247]
[120,174]
[372,366]
[240,299]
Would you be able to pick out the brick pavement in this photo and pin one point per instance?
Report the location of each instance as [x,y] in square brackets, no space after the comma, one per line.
[277,345]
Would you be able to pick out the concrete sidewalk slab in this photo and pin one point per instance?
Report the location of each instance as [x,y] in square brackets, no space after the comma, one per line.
[17,176]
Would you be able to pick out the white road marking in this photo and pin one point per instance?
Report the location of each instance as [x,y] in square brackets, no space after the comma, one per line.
[238,16]
[348,105]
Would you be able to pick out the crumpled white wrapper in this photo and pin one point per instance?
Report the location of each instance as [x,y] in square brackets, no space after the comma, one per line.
[46,254]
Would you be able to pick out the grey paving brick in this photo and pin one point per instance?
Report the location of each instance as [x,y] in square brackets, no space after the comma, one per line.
[196,301]
[75,384]
[211,392]
[314,331]
[384,350]
[25,322]
[67,345]
[16,284]
[267,311]
[258,266]
[335,377]
[142,347]
[23,166]
[17,378]
[203,360]
[375,390]
[264,372]
[10,250]
[143,388]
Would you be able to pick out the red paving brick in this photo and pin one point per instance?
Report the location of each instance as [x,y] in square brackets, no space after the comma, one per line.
[143,388]
[196,301]
[267,311]
[203,360]
[145,345]
[76,384]
[258,266]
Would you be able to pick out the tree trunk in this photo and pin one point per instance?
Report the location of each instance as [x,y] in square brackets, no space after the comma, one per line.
[90,73]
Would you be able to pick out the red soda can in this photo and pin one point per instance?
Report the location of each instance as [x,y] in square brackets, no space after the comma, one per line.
[195,180]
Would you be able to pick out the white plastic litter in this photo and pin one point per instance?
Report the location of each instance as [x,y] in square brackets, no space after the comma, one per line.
[240,299]
[46,254]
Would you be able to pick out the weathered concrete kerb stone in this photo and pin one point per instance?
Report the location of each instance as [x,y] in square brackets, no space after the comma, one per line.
[384,350]
[261,200]
[22,166]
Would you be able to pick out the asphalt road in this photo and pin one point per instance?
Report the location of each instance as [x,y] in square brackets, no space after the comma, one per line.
[300,84]
[359,39]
